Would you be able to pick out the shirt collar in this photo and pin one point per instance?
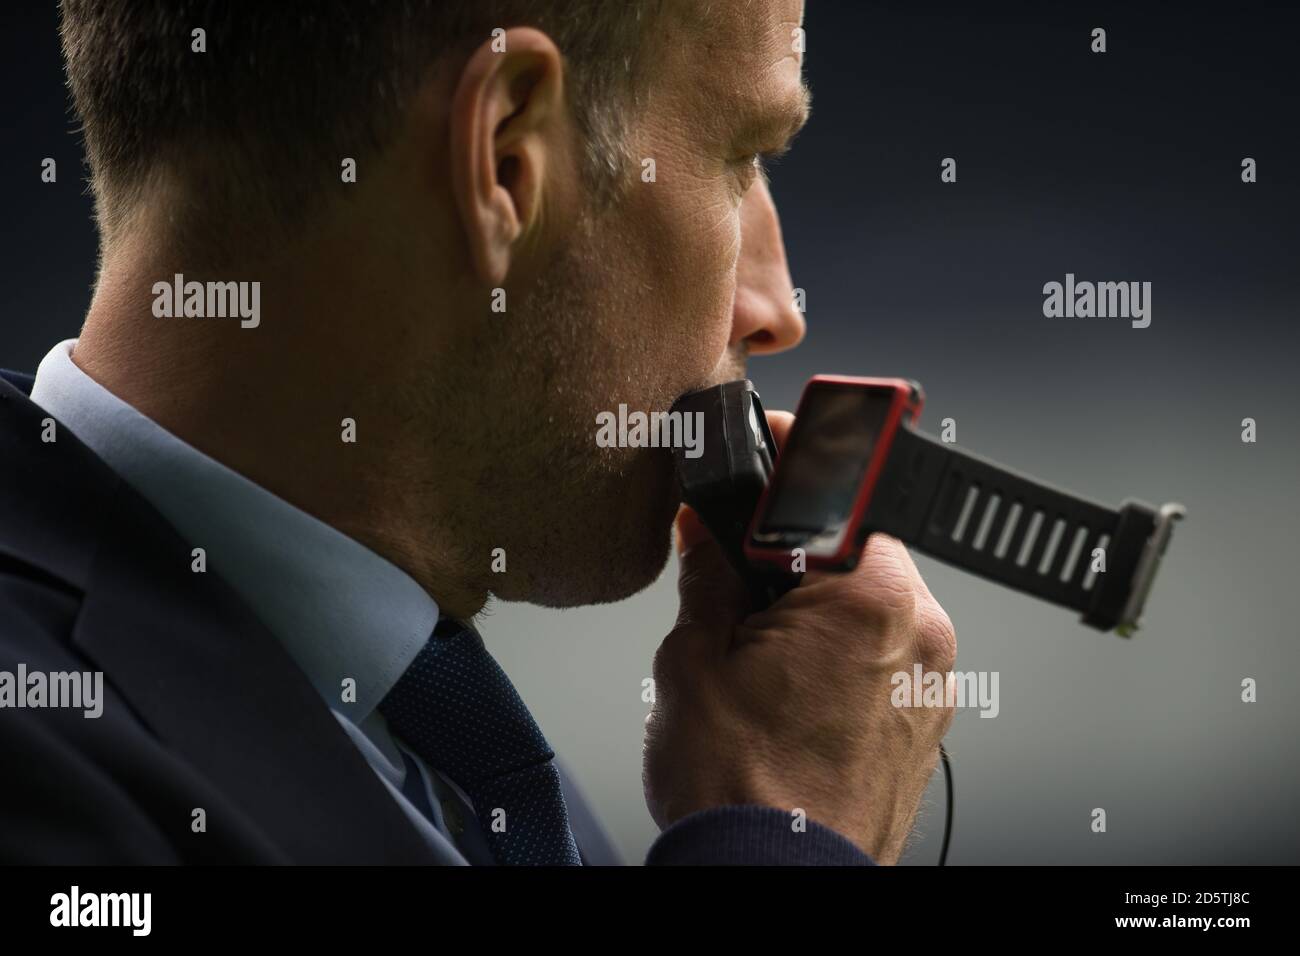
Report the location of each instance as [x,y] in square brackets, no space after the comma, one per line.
[340,609]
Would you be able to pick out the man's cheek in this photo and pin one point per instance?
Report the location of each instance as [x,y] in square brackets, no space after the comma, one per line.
[718,259]
[703,325]
[696,281]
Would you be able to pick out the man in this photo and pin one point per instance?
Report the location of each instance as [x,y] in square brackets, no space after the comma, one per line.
[367,277]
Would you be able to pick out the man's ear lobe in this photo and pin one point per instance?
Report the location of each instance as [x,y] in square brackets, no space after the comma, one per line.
[507,117]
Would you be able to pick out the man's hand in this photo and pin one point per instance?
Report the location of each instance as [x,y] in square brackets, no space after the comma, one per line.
[791,707]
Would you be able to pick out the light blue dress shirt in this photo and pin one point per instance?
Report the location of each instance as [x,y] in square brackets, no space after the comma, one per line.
[340,610]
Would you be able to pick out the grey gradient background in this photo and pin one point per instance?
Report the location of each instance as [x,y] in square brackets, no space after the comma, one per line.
[1122,166]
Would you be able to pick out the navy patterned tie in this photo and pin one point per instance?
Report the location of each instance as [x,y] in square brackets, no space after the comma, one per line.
[456,708]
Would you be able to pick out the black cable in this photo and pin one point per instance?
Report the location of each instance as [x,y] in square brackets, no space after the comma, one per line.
[947,825]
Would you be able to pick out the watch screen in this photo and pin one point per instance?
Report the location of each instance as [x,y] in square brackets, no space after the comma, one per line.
[824,460]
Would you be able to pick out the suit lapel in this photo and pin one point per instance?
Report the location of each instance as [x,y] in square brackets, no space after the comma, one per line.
[191,659]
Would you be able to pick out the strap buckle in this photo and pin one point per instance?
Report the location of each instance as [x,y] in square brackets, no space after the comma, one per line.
[1144,574]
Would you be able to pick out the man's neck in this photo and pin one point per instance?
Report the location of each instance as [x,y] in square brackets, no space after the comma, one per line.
[273,402]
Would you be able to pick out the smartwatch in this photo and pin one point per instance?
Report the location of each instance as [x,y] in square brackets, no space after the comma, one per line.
[854,463]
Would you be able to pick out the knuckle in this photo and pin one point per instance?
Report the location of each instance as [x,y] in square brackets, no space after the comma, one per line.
[936,638]
[883,602]
[887,580]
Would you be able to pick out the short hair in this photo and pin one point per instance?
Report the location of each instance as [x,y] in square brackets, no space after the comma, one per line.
[286,90]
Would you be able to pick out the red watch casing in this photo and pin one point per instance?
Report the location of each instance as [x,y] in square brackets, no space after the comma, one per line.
[840,547]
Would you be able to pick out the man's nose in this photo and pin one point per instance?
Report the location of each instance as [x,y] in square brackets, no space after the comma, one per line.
[765,316]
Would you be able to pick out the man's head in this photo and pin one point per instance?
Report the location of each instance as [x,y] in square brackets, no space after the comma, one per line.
[588,166]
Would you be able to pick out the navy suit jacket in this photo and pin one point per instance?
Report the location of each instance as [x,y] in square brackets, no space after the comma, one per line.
[202,706]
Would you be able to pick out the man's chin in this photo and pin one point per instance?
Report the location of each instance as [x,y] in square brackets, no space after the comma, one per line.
[611,556]
[631,570]
[607,587]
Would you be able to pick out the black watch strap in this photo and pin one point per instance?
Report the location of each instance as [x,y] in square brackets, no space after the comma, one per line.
[973,513]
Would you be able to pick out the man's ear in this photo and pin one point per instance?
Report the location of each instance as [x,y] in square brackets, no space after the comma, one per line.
[507,114]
